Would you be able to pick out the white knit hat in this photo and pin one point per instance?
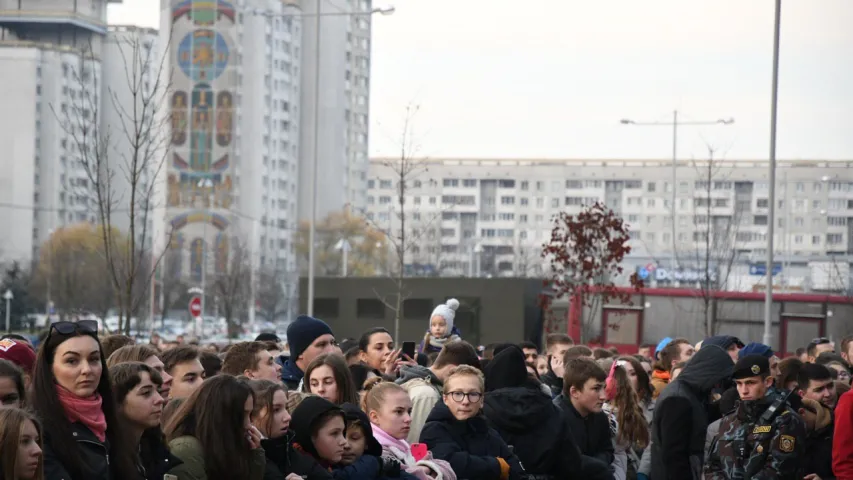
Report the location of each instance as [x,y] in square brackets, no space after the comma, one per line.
[447,311]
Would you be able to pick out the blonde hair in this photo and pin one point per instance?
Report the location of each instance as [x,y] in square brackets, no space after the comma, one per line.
[294,398]
[375,391]
[463,370]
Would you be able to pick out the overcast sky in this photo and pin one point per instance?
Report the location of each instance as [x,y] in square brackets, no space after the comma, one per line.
[552,78]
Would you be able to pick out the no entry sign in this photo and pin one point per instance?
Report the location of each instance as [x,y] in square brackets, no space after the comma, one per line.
[195,307]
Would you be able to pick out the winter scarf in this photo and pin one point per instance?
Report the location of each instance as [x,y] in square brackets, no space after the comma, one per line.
[401,451]
[87,411]
[438,342]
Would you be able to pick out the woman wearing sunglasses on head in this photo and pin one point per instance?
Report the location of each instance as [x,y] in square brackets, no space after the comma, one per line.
[71,393]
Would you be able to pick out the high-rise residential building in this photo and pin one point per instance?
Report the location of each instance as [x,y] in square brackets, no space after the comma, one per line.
[50,69]
[338,70]
[233,163]
[491,217]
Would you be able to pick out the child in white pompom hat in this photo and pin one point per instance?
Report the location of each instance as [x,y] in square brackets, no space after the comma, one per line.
[441,327]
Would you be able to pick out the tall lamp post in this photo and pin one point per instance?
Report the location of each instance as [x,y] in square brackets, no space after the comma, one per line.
[675,123]
[774,96]
[205,184]
[8,296]
[316,125]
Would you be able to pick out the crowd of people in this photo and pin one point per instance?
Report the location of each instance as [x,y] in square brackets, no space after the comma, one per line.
[81,406]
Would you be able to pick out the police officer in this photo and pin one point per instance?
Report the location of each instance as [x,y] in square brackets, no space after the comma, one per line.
[763,437]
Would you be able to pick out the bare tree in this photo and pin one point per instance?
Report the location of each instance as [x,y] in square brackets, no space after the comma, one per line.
[715,235]
[272,296]
[230,285]
[121,142]
[402,238]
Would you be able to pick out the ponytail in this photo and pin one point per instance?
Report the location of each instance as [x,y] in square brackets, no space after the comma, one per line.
[633,428]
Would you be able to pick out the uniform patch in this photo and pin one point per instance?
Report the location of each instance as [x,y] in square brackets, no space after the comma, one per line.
[762,429]
[7,344]
[786,443]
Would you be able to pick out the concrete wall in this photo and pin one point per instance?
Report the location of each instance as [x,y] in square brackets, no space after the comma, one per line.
[491,310]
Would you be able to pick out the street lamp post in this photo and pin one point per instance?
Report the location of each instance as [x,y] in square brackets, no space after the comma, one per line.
[316,125]
[774,96]
[675,123]
[204,183]
[8,296]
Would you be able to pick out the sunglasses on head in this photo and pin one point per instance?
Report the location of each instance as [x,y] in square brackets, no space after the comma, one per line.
[67,328]
[821,341]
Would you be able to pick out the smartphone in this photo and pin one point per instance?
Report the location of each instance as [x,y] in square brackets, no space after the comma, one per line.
[419,451]
[409,349]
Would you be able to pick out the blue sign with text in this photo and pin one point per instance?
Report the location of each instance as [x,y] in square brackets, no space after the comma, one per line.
[760,269]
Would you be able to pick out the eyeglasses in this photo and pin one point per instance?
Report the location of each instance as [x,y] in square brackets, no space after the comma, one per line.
[458,397]
[821,340]
[67,328]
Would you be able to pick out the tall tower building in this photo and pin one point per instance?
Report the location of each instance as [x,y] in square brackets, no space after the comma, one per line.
[232,169]
[50,59]
[338,69]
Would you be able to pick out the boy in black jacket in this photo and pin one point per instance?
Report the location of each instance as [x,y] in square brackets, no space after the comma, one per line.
[581,401]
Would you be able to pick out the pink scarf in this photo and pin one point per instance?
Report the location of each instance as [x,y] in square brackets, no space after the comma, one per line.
[87,411]
[386,440]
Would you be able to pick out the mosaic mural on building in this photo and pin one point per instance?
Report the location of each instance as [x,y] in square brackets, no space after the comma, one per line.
[199,175]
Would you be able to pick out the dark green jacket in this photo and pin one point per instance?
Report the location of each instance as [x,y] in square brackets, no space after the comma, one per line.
[190,451]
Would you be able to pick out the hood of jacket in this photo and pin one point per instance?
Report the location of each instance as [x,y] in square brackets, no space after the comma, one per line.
[353,413]
[305,418]
[708,367]
[507,369]
[415,372]
[516,409]
[289,371]
[722,341]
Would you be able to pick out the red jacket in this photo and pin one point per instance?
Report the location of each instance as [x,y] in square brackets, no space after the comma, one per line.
[842,441]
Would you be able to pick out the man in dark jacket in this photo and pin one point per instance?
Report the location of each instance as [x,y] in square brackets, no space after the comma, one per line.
[581,401]
[681,415]
[308,338]
[524,416]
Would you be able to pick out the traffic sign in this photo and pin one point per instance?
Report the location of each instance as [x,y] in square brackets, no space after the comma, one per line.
[195,307]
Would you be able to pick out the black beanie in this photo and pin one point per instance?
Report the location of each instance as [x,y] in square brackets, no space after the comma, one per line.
[302,332]
[507,369]
[354,413]
[305,418]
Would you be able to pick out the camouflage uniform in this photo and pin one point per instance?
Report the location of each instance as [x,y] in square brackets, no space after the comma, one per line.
[748,449]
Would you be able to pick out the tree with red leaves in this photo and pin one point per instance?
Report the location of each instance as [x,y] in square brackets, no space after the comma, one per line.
[586,250]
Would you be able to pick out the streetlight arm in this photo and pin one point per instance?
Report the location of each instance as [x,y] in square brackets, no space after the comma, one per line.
[381,11]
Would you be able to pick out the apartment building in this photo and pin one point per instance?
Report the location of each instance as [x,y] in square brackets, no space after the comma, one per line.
[341,60]
[490,217]
[50,69]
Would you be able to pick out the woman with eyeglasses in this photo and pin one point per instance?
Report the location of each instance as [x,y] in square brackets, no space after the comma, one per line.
[72,394]
[456,431]
[136,387]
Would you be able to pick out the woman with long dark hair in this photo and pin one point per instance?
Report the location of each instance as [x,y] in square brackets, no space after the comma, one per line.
[329,377]
[20,446]
[136,387]
[72,394]
[213,435]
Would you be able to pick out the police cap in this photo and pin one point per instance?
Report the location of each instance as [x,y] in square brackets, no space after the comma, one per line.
[751,366]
